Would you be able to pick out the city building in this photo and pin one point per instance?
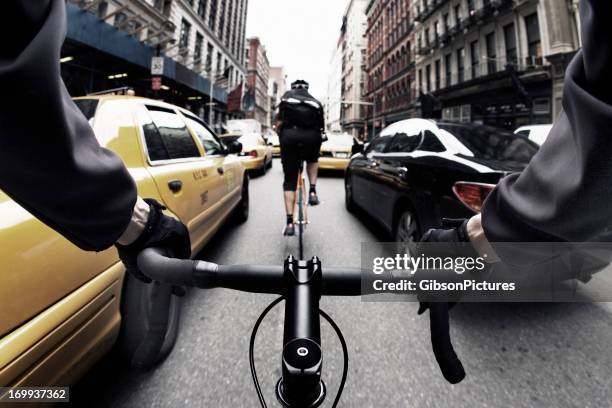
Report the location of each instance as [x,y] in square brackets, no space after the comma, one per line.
[277,86]
[333,107]
[111,44]
[354,26]
[499,62]
[390,81]
[258,75]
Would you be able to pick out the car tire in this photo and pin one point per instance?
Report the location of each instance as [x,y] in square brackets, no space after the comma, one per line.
[406,231]
[150,315]
[241,213]
[349,202]
[270,163]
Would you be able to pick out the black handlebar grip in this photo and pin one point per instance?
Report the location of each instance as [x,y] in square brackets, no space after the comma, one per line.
[173,271]
[447,359]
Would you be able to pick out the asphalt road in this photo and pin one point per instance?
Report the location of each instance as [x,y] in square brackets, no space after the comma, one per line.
[515,355]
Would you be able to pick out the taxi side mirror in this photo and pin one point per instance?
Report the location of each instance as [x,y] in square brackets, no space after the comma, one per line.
[233,147]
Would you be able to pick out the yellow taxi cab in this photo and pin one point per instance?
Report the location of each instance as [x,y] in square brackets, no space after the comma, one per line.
[274,142]
[256,155]
[62,308]
[336,151]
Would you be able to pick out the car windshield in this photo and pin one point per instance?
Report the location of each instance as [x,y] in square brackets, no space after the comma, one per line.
[243,126]
[485,142]
[249,140]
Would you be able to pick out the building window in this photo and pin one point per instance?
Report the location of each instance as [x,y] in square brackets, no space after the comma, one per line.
[445,22]
[202,9]
[102,9]
[218,63]
[437,74]
[475,56]
[510,38]
[184,36]
[209,55]
[448,66]
[471,7]
[458,14]
[534,45]
[197,52]
[212,15]
[428,78]
[460,66]
[163,6]
[491,53]
[120,19]
[420,73]
[222,20]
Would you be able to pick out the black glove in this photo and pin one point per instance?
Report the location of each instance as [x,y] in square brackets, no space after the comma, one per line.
[161,231]
[455,232]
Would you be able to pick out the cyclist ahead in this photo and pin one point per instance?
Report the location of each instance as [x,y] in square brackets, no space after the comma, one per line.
[301,126]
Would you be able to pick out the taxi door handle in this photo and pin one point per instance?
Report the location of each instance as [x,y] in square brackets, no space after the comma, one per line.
[220,170]
[175,185]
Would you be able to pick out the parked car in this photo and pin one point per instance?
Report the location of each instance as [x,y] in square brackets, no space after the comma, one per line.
[418,171]
[256,155]
[535,133]
[336,151]
[63,308]
[274,142]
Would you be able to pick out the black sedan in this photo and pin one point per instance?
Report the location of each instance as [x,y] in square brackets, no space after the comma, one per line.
[418,171]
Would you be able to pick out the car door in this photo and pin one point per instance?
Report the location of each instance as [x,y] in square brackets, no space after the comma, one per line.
[389,173]
[228,167]
[362,171]
[188,182]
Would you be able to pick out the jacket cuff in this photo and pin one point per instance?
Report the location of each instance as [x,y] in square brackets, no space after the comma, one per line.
[137,223]
[479,241]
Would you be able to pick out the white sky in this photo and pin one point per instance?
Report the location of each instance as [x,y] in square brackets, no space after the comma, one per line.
[299,35]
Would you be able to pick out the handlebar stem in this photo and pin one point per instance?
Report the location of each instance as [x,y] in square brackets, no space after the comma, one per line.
[301,385]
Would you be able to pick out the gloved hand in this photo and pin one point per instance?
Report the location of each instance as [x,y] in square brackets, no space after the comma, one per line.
[161,231]
[453,231]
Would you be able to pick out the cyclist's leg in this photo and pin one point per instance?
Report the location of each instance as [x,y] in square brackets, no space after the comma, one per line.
[312,164]
[290,161]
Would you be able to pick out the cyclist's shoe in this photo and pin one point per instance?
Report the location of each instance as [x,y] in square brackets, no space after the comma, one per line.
[313,199]
[289,230]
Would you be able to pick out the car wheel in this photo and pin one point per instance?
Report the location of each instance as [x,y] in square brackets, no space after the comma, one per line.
[150,315]
[407,231]
[270,163]
[348,194]
[241,213]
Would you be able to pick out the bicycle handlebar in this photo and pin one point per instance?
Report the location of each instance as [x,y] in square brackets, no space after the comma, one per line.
[273,280]
[245,278]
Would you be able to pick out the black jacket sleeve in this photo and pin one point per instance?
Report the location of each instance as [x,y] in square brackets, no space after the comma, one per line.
[565,193]
[50,160]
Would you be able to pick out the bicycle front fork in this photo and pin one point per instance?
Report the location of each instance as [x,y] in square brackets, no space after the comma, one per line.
[300,385]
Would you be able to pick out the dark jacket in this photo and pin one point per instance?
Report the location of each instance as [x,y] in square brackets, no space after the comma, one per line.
[50,161]
[565,194]
[298,108]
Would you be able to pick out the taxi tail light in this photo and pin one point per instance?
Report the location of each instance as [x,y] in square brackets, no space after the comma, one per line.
[253,153]
[472,195]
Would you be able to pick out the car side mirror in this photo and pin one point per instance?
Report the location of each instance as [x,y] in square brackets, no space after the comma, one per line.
[233,147]
[357,148]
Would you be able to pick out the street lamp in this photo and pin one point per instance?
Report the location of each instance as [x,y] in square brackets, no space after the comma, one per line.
[372,104]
